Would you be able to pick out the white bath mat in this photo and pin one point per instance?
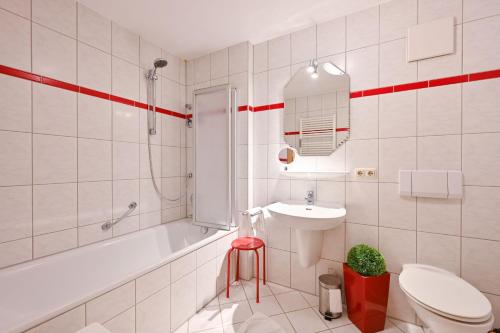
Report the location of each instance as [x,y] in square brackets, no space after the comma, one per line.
[260,323]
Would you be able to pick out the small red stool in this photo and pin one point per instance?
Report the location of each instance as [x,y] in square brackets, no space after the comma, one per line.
[246,244]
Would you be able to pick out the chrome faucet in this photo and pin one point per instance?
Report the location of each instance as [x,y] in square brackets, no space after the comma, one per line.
[310,197]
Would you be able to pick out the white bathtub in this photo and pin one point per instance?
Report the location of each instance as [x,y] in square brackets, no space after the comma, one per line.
[36,291]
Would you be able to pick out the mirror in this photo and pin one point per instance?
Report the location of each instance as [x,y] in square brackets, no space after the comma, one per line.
[316,116]
[286,155]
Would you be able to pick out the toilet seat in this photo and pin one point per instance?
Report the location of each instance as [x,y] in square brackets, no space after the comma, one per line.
[444,293]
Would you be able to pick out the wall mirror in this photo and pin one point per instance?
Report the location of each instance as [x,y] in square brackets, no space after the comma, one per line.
[316,116]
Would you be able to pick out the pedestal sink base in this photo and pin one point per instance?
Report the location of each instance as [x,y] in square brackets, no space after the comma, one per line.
[309,246]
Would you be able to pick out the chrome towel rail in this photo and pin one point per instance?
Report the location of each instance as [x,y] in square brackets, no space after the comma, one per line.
[252,214]
[131,207]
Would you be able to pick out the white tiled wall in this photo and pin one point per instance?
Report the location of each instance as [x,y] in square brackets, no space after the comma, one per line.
[69,162]
[159,301]
[449,127]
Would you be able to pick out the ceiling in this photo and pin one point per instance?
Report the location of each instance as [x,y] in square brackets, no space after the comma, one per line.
[191,28]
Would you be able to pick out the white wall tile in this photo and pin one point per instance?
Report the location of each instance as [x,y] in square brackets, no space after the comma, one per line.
[394,69]
[280,52]
[15,158]
[125,160]
[303,45]
[125,44]
[148,53]
[260,161]
[54,110]
[480,266]
[219,64]
[67,322]
[15,37]
[440,110]
[396,17]
[439,216]
[399,247]
[396,154]
[94,160]
[439,152]
[330,191]
[364,117]
[474,10]
[124,322]
[183,266]
[439,250]
[15,252]
[363,28]
[299,188]
[92,233]
[202,69]
[94,202]
[184,297]
[331,37]
[94,68]
[278,190]
[94,29]
[54,207]
[125,79]
[126,226]
[480,106]
[480,156]
[94,117]
[54,159]
[125,192]
[398,306]
[398,114]
[429,10]
[55,242]
[54,55]
[107,306]
[362,202]
[260,57]
[238,58]
[480,213]
[480,54]
[16,216]
[396,211]
[22,7]
[260,90]
[363,68]
[152,282]
[125,123]
[278,78]
[153,314]
[361,234]
[15,104]
[361,154]
[495,303]
[59,15]
[150,200]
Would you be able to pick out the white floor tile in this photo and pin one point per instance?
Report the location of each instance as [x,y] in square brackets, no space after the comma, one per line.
[251,289]
[236,294]
[205,319]
[334,323]
[406,327]
[232,328]
[277,289]
[292,301]
[312,300]
[268,305]
[306,321]
[233,313]
[346,329]
[283,321]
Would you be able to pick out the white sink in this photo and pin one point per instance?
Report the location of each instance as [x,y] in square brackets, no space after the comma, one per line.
[309,222]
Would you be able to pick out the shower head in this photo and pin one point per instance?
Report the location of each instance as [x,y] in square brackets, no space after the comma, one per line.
[158,63]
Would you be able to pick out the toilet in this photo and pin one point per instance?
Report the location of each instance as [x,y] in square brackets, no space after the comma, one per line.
[444,302]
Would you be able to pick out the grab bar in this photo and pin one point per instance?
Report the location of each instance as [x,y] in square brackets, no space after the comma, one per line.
[106,226]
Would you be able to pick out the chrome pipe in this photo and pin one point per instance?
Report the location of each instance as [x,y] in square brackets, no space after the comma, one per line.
[109,224]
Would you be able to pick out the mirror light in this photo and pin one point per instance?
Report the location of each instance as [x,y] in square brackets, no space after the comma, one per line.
[332,69]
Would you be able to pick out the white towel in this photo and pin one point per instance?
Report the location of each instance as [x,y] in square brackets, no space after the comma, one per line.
[256,219]
[335,301]
[260,323]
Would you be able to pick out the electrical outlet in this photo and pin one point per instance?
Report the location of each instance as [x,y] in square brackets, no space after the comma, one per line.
[367,173]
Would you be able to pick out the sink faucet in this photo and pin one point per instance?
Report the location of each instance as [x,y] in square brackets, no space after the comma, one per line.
[310,197]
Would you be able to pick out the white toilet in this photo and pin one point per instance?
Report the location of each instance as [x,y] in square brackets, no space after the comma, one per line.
[444,302]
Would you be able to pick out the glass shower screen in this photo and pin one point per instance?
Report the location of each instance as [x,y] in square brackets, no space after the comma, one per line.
[213,181]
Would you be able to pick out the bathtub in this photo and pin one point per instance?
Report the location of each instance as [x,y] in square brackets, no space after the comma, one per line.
[42,289]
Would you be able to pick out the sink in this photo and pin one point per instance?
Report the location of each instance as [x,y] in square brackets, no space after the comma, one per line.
[309,223]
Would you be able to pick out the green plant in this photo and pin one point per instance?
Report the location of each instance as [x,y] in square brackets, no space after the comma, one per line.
[366,260]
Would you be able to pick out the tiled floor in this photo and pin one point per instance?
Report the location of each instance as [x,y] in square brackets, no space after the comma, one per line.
[295,311]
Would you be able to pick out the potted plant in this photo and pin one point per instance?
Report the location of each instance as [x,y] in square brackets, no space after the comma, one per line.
[366,288]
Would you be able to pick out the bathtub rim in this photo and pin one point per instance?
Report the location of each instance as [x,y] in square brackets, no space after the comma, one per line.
[36,321]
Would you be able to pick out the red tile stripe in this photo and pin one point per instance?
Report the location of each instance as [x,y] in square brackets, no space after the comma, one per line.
[339,129]
[83,90]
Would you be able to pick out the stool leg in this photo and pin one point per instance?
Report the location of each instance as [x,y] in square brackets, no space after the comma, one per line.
[257,278]
[228,282]
[238,267]
[264,262]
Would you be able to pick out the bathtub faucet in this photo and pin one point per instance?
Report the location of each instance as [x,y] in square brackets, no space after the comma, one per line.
[106,226]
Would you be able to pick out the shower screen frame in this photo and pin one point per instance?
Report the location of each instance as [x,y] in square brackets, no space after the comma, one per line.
[230,153]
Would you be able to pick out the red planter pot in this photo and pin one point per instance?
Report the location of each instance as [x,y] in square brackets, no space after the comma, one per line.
[366,298]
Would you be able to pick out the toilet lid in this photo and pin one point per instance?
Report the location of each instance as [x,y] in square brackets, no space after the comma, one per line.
[445,293]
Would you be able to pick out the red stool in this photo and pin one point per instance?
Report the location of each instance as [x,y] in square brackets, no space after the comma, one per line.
[246,244]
